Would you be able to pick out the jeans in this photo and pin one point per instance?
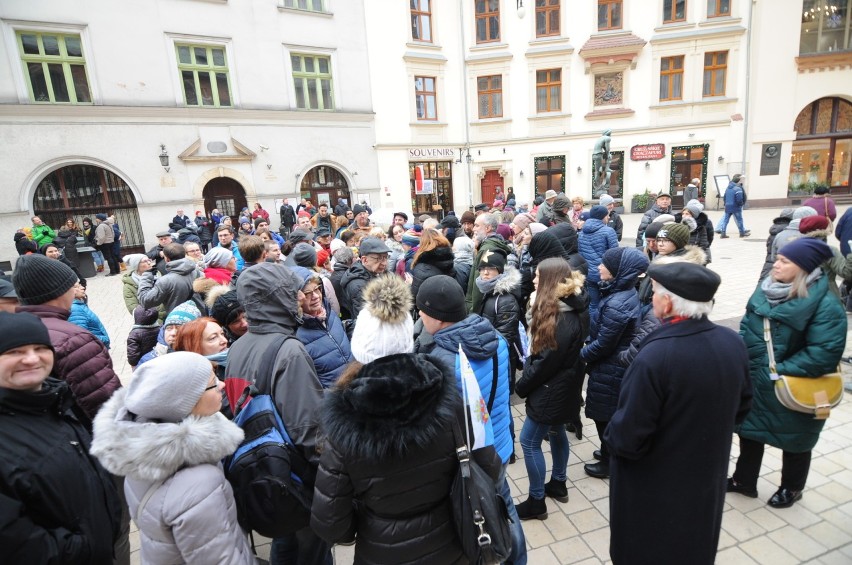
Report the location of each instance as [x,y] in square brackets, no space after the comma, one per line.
[722,227]
[519,543]
[532,434]
[794,466]
[302,548]
[98,257]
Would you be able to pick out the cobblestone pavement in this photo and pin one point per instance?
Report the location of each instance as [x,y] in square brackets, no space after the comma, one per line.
[818,529]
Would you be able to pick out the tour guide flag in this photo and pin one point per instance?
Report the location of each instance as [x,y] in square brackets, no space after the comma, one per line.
[480,422]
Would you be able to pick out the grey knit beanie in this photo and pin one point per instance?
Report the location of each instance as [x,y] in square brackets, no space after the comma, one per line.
[218,257]
[168,387]
[803,212]
[38,279]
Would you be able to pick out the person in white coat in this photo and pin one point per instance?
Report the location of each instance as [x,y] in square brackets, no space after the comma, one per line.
[165,434]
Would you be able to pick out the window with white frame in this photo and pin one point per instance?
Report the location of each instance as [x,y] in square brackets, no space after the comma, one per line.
[312,80]
[307,5]
[54,67]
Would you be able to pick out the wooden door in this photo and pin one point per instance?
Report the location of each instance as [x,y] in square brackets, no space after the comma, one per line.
[489,185]
[226,195]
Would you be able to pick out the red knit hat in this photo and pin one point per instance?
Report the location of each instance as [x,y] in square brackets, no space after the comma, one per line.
[303,214]
[813,223]
[323,255]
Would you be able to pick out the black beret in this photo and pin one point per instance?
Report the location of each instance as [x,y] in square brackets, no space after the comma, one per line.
[687,280]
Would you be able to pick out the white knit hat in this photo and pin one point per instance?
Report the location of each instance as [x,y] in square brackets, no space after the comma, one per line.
[384,326]
[218,257]
[168,387]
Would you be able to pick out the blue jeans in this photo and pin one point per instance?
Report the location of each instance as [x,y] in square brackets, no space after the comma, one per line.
[738,217]
[519,543]
[302,548]
[532,434]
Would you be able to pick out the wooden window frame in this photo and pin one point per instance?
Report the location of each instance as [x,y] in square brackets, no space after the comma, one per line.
[547,85]
[486,16]
[714,68]
[714,6]
[426,95]
[63,59]
[317,76]
[670,16]
[668,76]
[611,4]
[417,16]
[212,70]
[549,172]
[309,5]
[492,94]
[549,7]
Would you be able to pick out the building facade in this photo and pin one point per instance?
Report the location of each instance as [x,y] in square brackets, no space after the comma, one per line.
[476,95]
[245,101]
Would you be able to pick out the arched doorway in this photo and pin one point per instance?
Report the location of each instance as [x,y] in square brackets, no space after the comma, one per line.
[325,184]
[226,195]
[80,191]
[822,152]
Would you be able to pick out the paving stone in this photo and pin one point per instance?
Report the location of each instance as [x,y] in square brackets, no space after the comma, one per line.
[592,488]
[829,535]
[571,550]
[542,555]
[558,524]
[797,543]
[598,540]
[767,552]
[588,520]
[537,533]
[766,519]
[734,556]
[740,526]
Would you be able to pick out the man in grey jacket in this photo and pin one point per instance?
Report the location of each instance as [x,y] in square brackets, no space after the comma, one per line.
[173,288]
[270,294]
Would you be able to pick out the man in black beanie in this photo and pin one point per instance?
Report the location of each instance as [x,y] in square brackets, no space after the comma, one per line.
[442,309]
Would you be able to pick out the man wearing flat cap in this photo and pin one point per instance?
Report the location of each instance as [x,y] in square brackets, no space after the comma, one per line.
[670,436]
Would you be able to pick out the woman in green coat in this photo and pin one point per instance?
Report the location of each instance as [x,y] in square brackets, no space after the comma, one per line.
[808,327]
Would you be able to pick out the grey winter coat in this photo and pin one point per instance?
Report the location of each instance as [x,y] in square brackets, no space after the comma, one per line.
[173,288]
[646,221]
[190,516]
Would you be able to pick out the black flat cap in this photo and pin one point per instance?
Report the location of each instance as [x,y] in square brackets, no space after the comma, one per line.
[687,280]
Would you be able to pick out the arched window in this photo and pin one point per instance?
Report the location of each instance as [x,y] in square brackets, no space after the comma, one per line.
[325,184]
[80,191]
[823,147]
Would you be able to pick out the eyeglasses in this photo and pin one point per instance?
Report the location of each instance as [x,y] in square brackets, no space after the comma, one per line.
[316,290]
[211,387]
[378,258]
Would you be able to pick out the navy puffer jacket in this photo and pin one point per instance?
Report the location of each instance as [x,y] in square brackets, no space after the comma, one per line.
[327,344]
[595,238]
[618,317]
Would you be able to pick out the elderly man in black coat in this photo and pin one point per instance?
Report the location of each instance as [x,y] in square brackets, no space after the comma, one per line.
[670,436]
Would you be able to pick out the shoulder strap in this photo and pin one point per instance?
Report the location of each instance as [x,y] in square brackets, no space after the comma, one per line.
[494,375]
[145,498]
[770,350]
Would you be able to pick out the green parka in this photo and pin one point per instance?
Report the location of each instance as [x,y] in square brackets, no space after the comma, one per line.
[808,335]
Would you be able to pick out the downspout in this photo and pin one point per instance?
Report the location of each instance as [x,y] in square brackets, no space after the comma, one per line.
[747,86]
[467,158]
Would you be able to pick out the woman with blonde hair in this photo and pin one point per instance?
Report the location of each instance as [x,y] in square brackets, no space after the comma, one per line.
[434,256]
[553,376]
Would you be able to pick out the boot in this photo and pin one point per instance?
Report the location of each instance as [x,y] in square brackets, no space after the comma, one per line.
[532,508]
[599,470]
[556,490]
[597,454]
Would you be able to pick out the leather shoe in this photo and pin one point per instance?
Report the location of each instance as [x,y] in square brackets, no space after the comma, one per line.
[734,486]
[597,454]
[784,498]
[724,236]
[599,470]
[532,509]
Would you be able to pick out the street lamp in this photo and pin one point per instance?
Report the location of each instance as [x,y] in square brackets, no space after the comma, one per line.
[519,4]
[164,157]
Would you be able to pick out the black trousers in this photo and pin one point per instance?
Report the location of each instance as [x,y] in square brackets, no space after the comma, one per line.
[106,249]
[794,466]
[601,427]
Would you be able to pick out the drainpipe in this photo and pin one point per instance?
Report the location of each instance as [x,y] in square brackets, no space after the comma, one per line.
[466,104]
[748,85]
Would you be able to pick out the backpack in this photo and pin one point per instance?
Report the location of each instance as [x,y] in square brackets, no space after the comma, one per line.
[273,482]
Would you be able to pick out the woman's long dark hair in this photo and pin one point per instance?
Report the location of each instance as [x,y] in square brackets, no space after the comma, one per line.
[552,273]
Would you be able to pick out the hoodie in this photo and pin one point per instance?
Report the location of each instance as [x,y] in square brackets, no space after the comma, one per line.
[173,288]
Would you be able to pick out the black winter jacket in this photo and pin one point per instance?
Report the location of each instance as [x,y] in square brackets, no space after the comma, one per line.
[335,278]
[57,504]
[545,245]
[502,307]
[552,382]
[438,261]
[388,463]
[352,285]
[779,224]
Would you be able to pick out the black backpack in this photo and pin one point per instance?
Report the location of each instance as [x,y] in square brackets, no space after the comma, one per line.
[273,482]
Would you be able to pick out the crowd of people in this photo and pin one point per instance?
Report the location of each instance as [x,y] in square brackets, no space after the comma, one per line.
[370,331]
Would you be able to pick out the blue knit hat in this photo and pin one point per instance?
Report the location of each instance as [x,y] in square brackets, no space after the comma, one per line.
[182,314]
[807,253]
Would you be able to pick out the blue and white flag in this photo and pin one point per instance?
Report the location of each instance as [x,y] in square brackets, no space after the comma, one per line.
[479,423]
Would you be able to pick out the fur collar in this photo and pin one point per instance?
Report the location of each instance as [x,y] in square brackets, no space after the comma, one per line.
[156,451]
[510,281]
[691,253]
[392,403]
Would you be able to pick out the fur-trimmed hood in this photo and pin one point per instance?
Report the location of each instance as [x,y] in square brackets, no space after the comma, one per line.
[818,234]
[509,282]
[392,404]
[691,253]
[149,451]
[215,292]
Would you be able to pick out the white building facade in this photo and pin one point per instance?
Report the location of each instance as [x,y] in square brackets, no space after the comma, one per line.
[250,102]
[472,95]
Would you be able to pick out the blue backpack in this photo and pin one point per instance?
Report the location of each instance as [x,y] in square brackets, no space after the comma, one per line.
[273,482]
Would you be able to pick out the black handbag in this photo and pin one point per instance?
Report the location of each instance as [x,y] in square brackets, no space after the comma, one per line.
[479,514]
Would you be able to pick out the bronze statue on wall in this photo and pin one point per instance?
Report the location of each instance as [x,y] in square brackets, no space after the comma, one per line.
[601,161]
